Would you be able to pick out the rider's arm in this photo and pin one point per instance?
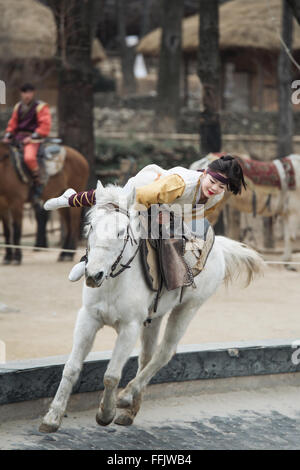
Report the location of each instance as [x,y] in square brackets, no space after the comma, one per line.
[84,198]
[43,121]
[12,123]
[164,190]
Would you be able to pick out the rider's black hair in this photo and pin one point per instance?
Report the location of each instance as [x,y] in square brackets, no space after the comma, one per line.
[230,167]
[27,87]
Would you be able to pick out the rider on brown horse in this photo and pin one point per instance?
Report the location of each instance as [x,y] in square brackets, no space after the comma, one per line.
[30,121]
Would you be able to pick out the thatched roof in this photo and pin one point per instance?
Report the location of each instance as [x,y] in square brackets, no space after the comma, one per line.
[98,52]
[243,23]
[27,30]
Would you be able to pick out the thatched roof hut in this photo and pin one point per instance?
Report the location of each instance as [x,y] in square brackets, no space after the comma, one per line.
[249,47]
[244,24]
[27,30]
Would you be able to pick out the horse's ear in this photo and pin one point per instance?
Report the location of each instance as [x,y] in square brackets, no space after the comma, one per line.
[99,185]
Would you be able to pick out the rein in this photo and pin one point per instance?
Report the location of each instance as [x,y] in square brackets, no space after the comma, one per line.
[127,238]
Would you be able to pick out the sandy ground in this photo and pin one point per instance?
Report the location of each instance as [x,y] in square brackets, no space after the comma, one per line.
[47,303]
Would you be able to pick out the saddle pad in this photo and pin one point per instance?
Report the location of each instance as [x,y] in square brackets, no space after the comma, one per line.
[197,251]
[196,254]
[54,158]
[149,258]
[261,173]
[19,165]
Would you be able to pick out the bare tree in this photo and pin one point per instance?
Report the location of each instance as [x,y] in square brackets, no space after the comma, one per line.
[295,6]
[209,74]
[285,108]
[75,20]
[168,86]
[127,53]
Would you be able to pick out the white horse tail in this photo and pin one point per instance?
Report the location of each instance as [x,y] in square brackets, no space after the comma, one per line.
[239,260]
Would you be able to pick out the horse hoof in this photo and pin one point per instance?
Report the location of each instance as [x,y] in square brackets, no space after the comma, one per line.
[124,419]
[47,428]
[124,402]
[290,267]
[16,262]
[63,258]
[104,422]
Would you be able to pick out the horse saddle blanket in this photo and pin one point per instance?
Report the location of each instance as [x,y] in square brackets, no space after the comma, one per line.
[51,158]
[175,262]
[276,173]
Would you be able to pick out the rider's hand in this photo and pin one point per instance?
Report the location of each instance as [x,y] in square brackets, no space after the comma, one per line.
[6,140]
[27,140]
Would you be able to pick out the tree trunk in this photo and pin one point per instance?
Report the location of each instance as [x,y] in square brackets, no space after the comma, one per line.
[127,53]
[285,109]
[209,74]
[209,71]
[168,86]
[295,6]
[75,25]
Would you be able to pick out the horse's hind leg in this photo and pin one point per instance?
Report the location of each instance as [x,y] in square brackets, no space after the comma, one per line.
[7,236]
[17,215]
[178,321]
[42,217]
[85,331]
[149,338]
[127,337]
[71,220]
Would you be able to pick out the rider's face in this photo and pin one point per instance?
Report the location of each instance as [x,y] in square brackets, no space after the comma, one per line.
[27,96]
[211,186]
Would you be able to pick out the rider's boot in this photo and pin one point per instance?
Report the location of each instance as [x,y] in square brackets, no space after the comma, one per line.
[59,202]
[37,189]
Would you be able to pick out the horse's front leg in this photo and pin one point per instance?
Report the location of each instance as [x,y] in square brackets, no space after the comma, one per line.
[178,321]
[126,340]
[287,254]
[149,339]
[84,334]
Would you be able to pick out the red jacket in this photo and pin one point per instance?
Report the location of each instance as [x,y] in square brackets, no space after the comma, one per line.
[42,115]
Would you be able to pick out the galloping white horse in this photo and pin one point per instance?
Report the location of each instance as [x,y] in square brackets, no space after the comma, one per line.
[124,302]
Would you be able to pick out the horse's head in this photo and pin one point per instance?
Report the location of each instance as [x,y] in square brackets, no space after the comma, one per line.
[110,225]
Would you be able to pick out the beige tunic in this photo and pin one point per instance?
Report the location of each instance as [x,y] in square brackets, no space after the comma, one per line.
[179,186]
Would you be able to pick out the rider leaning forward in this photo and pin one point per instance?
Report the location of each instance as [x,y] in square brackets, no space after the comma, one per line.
[155,185]
[30,122]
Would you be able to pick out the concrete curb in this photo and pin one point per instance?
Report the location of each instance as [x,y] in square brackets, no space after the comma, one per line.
[39,378]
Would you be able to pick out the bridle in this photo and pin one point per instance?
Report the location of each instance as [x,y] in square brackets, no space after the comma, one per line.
[129,236]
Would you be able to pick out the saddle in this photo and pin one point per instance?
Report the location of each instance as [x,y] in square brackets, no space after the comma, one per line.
[174,262]
[51,157]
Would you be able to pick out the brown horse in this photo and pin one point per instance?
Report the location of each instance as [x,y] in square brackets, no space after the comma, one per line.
[14,194]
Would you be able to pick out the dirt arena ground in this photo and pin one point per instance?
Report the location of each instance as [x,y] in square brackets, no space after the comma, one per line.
[42,305]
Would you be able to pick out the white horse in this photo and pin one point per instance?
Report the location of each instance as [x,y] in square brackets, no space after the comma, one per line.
[124,302]
[284,202]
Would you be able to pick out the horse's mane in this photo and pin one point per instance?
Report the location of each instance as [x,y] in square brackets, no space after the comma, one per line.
[111,194]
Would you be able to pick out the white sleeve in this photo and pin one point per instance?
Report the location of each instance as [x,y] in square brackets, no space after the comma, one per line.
[145,176]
